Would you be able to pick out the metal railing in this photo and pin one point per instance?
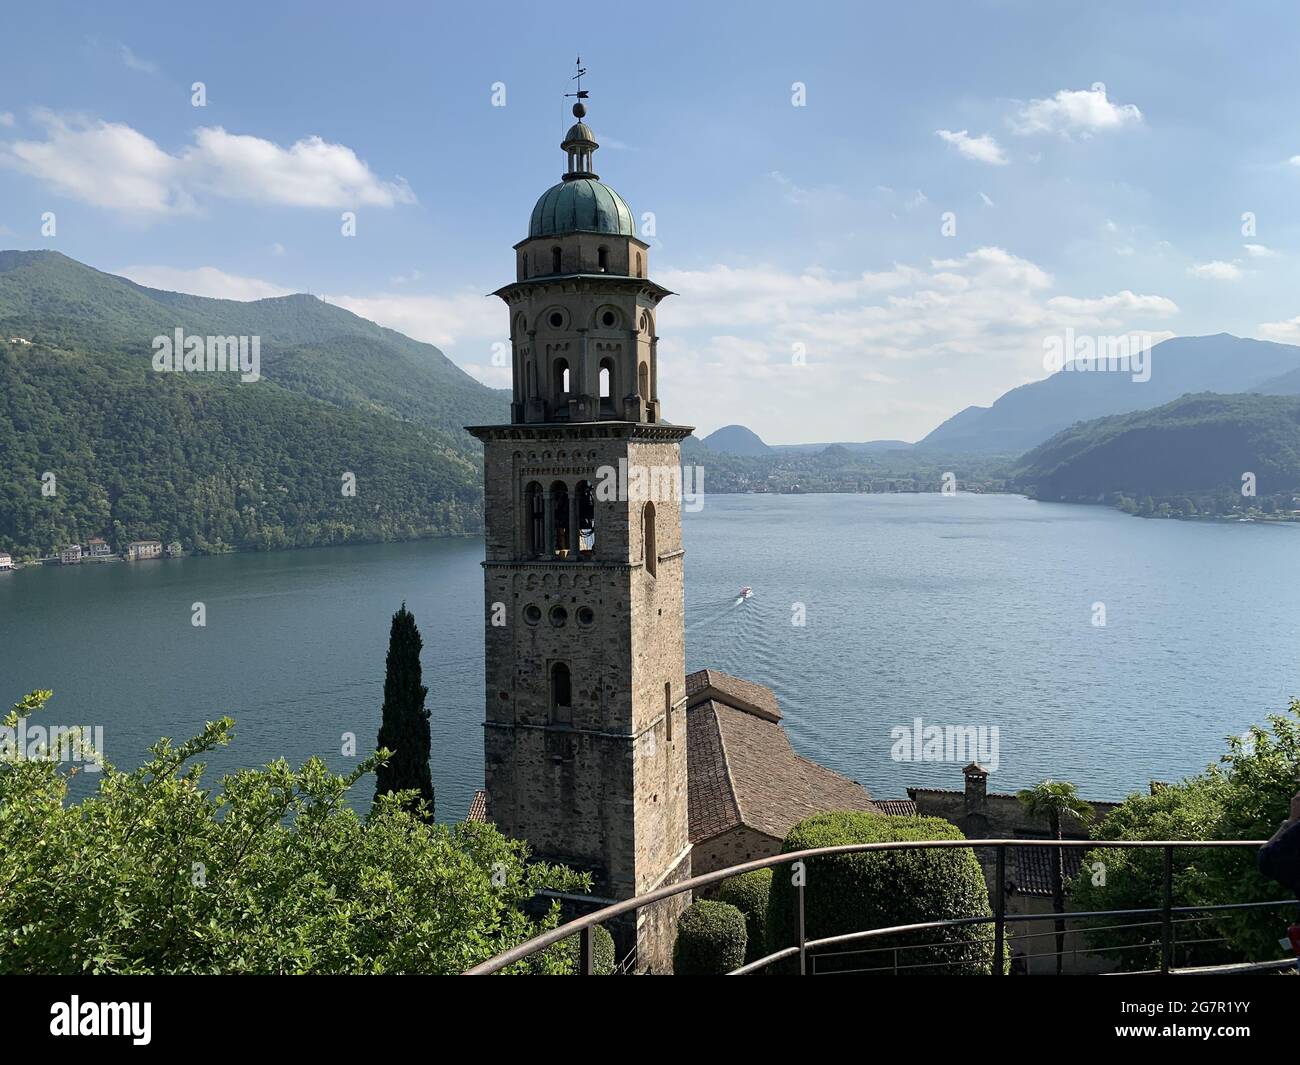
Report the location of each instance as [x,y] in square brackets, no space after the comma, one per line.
[584,927]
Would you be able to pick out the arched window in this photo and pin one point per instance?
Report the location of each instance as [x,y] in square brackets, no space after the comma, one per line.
[561,372]
[668,710]
[560,516]
[648,549]
[602,259]
[643,380]
[535,503]
[586,517]
[555,260]
[561,694]
[523,266]
[640,270]
[606,378]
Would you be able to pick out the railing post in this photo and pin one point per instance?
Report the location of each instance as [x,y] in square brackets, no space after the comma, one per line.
[803,935]
[587,951]
[1167,914]
[1000,911]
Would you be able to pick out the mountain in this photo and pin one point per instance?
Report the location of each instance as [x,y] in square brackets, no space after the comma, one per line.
[866,446]
[1028,415]
[1198,446]
[203,457]
[736,440]
[308,346]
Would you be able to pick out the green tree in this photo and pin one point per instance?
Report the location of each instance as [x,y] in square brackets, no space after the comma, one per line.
[1055,801]
[404,727]
[710,939]
[272,873]
[1245,796]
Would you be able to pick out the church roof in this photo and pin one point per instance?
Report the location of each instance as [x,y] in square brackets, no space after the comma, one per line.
[741,768]
[581,205]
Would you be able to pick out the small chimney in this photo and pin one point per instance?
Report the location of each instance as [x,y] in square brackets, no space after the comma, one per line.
[977,789]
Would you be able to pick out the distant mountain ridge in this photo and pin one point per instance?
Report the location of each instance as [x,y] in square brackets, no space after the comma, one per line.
[1027,416]
[1199,446]
[736,440]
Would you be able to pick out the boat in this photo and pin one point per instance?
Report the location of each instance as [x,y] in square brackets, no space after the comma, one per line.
[746,592]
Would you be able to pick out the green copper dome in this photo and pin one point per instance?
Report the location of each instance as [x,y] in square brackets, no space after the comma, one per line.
[581,205]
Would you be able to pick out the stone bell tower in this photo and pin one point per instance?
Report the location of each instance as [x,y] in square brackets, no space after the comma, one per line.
[585,737]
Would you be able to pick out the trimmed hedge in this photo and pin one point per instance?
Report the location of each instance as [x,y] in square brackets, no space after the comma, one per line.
[603,949]
[710,939]
[877,889]
[748,893]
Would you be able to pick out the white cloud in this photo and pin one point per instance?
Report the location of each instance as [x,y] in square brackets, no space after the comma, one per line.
[888,354]
[983,149]
[1259,251]
[111,165]
[1215,270]
[204,281]
[1287,331]
[467,321]
[1081,112]
[134,62]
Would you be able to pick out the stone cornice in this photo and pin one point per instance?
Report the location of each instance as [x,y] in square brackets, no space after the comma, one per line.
[568,431]
[582,283]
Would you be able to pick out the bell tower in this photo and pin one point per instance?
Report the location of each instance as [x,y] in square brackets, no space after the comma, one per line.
[585,731]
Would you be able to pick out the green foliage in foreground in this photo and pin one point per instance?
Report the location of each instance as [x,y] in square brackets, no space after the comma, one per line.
[710,939]
[1246,796]
[879,889]
[272,873]
[748,892]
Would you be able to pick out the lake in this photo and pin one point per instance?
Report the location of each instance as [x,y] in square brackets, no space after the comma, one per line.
[968,610]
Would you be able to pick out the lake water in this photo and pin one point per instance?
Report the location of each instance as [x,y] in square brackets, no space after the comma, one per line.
[967,610]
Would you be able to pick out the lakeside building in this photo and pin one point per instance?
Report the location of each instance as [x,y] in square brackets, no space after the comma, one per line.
[142,549]
[598,750]
[70,554]
[174,549]
[6,560]
[96,547]
[982,814]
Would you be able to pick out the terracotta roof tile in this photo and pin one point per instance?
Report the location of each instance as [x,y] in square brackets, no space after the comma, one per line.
[742,770]
[478,807]
[742,694]
[897,807]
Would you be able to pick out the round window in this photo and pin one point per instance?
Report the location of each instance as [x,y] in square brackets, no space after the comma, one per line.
[608,319]
[556,319]
[532,614]
[559,616]
[586,616]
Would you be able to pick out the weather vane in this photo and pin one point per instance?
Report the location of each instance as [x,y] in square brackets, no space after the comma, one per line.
[578,109]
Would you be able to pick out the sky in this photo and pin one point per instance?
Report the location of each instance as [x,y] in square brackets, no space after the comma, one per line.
[873,215]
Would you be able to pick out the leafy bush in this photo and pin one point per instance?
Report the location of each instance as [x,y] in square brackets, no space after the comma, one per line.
[878,889]
[273,873]
[1246,796]
[710,939]
[603,948]
[748,893]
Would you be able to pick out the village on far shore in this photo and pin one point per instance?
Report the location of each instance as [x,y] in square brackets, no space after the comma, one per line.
[97,549]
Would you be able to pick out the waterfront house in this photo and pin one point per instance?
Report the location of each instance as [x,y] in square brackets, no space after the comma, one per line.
[97,547]
[141,549]
[6,560]
[70,555]
[174,549]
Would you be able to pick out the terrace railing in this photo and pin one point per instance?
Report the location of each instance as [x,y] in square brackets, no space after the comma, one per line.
[1166,916]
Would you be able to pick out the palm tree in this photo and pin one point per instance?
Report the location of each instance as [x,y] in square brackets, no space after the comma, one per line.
[1052,801]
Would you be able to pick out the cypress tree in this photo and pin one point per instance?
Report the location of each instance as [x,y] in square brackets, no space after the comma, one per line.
[404,727]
